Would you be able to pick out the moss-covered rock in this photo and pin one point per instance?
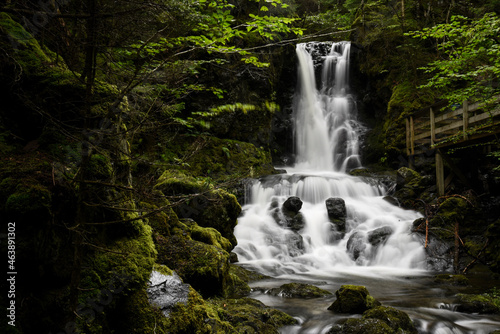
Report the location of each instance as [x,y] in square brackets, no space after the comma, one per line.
[362,326]
[353,299]
[205,267]
[483,303]
[248,315]
[451,279]
[452,210]
[397,320]
[209,207]
[299,290]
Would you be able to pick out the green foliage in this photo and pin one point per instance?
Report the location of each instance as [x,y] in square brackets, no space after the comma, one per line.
[468,58]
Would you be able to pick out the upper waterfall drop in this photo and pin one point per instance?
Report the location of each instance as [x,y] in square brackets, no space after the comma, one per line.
[325,116]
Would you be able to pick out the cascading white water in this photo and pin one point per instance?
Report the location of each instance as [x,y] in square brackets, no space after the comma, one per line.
[327,145]
[326,138]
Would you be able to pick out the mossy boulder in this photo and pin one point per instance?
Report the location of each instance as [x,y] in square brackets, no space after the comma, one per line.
[209,236]
[483,303]
[196,315]
[396,319]
[204,266]
[409,186]
[451,279]
[362,326]
[452,210]
[209,207]
[129,260]
[250,316]
[353,299]
[299,290]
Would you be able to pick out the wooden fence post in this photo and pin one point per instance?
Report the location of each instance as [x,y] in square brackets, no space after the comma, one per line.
[465,109]
[439,157]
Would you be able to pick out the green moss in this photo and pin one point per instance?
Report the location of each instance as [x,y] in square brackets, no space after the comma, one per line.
[129,260]
[100,167]
[28,199]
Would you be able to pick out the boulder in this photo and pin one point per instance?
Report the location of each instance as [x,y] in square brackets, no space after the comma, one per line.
[293,204]
[362,326]
[396,319]
[337,212]
[482,304]
[298,290]
[166,291]
[353,299]
[203,266]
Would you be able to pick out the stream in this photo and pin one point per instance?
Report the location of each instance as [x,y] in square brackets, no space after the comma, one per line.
[372,246]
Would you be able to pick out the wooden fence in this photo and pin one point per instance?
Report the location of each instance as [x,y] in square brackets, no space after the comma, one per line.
[430,129]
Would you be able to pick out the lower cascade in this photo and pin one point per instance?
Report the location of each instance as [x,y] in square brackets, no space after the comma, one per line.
[316,223]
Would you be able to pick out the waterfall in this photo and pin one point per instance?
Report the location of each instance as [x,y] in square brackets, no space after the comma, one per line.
[325,124]
[372,237]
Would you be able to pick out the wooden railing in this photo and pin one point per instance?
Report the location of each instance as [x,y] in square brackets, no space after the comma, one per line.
[428,128]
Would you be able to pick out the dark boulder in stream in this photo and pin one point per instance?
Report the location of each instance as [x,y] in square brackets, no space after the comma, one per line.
[298,290]
[353,299]
[336,212]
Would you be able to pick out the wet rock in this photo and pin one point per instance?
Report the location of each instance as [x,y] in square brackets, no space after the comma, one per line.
[396,319]
[356,245]
[288,216]
[393,200]
[353,299]
[166,291]
[292,205]
[336,212]
[298,290]
[379,235]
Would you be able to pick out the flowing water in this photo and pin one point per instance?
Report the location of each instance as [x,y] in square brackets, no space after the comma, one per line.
[393,267]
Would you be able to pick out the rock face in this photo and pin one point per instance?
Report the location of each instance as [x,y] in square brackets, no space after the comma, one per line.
[166,291]
[336,212]
[353,299]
